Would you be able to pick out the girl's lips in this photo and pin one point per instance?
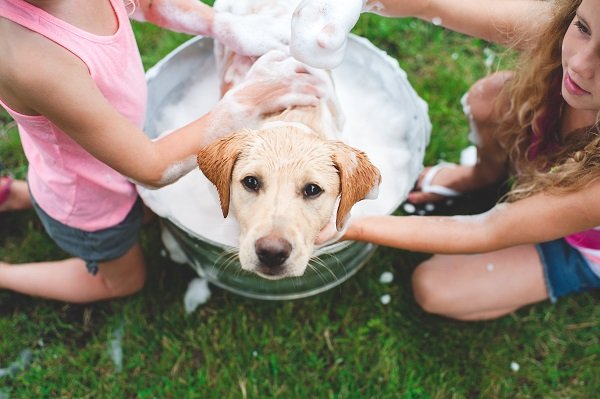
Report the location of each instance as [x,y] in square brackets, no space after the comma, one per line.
[572,87]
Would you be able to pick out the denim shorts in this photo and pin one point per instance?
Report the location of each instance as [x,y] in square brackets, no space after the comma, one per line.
[96,246]
[565,269]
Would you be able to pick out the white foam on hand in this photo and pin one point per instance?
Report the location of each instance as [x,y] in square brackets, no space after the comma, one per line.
[320,30]
[274,83]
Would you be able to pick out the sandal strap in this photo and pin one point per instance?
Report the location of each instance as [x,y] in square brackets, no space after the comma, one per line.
[427,187]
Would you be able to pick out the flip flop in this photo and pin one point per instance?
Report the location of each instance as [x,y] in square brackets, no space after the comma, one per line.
[5,188]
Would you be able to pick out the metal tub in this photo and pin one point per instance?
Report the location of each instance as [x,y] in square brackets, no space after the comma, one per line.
[375,90]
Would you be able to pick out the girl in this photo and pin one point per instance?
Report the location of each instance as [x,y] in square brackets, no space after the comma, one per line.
[72,78]
[538,124]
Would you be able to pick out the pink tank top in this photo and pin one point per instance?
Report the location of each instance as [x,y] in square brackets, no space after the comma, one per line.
[586,242]
[68,183]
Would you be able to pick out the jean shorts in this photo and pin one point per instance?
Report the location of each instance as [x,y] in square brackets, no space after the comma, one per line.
[565,269]
[96,246]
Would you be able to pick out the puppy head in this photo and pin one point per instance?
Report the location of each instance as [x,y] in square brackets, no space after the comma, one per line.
[282,186]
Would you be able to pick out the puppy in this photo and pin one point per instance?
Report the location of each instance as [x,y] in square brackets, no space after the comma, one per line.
[285,180]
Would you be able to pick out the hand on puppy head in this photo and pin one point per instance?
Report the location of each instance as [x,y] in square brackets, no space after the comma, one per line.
[274,83]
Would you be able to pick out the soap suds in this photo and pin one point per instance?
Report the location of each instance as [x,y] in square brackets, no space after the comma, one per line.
[384,118]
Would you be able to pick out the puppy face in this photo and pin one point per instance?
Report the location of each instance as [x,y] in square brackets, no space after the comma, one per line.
[282,185]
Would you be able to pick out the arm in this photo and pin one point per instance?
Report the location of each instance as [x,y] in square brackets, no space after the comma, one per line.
[251,35]
[61,89]
[498,21]
[532,220]
[320,27]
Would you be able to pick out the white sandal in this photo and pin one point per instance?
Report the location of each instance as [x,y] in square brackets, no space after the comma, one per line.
[428,187]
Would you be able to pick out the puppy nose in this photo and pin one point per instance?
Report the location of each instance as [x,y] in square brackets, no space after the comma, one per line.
[272,251]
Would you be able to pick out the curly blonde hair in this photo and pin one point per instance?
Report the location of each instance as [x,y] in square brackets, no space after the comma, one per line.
[525,99]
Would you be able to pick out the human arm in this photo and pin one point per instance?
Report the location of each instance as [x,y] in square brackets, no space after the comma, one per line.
[320,27]
[251,35]
[536,219]
[61,89]
[498,21]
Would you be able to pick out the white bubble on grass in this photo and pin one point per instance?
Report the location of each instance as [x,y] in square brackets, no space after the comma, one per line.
[386,278]
[437,21]
[385,299]
[22,362]
[254,354]
[514,366]
[198,293]
[490,56]
[409,208]
[116,348]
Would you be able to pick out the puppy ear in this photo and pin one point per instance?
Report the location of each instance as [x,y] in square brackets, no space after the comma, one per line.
[216,161]
[359,179]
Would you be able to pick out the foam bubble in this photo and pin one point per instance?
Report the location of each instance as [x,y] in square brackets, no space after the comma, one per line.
[320,30]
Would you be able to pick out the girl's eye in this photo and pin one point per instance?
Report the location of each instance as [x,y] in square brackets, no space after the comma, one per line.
[312,190]
[582,28]
[251,183]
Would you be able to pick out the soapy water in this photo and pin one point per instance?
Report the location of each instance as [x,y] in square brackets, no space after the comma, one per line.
[382,115]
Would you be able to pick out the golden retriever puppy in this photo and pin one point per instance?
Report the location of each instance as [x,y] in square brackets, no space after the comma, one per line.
[285,180]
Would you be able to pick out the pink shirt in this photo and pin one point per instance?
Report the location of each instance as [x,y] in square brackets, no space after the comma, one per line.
[68,183]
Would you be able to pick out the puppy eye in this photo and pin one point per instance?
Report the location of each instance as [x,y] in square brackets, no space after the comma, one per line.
[312,190]
[251,183]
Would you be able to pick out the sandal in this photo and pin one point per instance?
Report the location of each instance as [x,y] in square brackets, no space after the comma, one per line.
[454,202]
[5,186]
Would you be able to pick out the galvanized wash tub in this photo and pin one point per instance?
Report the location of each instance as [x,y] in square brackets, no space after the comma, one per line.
[384,117]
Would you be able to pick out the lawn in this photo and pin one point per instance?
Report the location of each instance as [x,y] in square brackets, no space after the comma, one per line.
[343,343]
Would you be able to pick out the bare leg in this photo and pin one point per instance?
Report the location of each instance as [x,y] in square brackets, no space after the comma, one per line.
[68,280]
[18,197]
[482,286]
[491,163]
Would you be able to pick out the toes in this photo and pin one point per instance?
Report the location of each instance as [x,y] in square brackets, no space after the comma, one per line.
[419,197]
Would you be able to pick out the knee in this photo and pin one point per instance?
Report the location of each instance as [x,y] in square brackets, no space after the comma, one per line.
[428,288]
[480,101]
[126,283]
[136,281]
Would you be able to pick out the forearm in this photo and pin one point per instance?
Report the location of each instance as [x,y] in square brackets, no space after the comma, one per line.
[173,155]
[535,219]
[500,21]
[423,234]
[186,16]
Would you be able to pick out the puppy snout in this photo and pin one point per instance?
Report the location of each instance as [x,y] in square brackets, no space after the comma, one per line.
[272,251]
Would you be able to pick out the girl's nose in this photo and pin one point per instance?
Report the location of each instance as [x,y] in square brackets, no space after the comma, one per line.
[586,61]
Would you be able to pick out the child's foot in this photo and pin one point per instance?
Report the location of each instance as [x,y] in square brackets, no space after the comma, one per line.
[442,181]
[14,194]
[448,189]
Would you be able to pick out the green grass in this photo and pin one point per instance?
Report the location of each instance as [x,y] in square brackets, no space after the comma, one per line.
[340,344]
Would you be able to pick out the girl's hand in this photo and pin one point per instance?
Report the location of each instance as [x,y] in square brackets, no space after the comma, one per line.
[274,83]
[320,30]
[252,34]
[330,235]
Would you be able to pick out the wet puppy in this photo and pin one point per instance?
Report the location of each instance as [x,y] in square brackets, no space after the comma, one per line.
[287,179]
